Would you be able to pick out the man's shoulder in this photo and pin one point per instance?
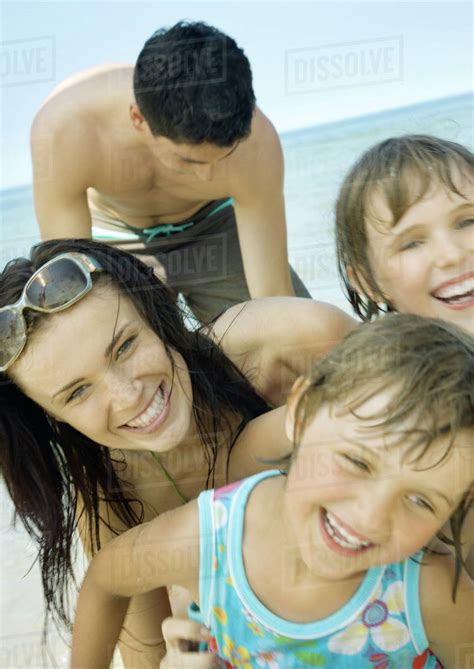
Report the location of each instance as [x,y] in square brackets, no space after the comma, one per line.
[260,157]
[81,102]
[263,136]
[79,119]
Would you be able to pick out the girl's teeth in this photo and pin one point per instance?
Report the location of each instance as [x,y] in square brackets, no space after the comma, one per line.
[154,410]
[464,289]
[458,299]
[341,536]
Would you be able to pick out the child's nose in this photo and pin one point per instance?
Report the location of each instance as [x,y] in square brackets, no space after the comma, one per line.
[376,515]
[450,251]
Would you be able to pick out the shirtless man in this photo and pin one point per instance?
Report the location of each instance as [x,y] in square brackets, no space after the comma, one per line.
[173,160]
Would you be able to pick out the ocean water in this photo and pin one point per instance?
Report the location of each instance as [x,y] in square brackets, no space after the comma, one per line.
[316,160]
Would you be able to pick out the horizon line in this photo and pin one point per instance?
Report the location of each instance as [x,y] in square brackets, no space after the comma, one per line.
[323,124]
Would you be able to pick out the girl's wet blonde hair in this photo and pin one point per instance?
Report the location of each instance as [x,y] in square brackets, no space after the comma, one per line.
[428,365]
[401,170]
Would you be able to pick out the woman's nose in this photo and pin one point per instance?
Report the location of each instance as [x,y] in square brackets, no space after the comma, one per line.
[124,391]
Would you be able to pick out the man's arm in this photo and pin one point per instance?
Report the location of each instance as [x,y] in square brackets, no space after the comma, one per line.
[276,339]
[61,156]
[259,204]
[139,561]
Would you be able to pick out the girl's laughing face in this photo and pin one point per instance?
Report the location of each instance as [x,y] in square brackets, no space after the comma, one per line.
[425,263]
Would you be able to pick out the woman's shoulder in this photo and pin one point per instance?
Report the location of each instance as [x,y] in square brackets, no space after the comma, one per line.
[274,340]
[447,620]
[260,445]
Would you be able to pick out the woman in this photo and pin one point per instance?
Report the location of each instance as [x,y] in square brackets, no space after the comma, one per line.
[112,411]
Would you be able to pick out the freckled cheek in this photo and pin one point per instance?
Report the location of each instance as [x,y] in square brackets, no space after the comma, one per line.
[90,420]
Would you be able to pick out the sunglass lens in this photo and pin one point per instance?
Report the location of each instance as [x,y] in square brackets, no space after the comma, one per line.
[12,336]
[56,285]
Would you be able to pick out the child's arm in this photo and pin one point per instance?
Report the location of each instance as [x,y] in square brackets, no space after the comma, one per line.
[449,626]
[162,552]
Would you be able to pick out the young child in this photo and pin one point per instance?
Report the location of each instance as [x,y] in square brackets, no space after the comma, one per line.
[404,229]
[324,565]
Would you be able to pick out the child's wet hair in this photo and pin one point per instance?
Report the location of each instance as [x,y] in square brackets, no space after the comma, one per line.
[429,366]
[401,170]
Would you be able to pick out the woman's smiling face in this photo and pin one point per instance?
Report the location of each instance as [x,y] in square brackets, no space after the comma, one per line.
[99,367]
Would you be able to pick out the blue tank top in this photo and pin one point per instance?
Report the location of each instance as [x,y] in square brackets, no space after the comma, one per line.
[380,627]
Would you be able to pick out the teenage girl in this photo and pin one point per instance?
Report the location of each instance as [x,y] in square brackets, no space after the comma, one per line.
[404,229]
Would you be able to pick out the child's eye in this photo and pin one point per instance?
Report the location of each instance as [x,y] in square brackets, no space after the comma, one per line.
[357,462]
[465,222]
[125,346]
[76,393]
[413,244]
[421,502]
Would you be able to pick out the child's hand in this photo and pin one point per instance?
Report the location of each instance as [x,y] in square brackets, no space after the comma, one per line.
[182,638]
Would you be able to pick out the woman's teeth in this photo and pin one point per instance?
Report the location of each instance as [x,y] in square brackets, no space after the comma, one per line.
[341,536]
[151,414]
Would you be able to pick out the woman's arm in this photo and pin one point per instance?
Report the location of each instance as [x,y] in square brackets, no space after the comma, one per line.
[141,642]
[448,625]
[274,340]
[162,552]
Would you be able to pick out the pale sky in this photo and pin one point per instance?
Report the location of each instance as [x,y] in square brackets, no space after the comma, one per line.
[313,62]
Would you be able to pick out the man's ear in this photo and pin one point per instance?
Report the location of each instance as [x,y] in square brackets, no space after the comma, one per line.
[299,389]
[137,118]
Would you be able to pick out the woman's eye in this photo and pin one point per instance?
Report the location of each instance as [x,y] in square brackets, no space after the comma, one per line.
[420,502]
[360,464]
[78,392]
[125,346]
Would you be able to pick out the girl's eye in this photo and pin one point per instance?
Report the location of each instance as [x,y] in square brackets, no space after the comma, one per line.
[465,222]
[407,246]
[420,502]
[360,464]
[125,346]
[78,392]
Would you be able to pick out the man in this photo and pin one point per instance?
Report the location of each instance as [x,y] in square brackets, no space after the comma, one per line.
[172,160]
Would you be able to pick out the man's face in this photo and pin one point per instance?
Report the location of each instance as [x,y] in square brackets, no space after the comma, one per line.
[199,160]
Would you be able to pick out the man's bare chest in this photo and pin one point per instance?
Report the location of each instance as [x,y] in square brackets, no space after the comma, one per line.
[143,196]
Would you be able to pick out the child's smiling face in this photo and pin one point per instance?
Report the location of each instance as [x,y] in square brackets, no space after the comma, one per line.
[424,264]
[356,496]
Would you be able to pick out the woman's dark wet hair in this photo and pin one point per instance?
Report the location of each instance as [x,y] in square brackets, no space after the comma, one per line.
[50,469]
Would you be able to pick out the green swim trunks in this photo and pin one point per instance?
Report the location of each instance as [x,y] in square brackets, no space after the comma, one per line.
[201,256]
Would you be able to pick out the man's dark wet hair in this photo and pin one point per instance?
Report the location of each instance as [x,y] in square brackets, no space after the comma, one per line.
[193,84]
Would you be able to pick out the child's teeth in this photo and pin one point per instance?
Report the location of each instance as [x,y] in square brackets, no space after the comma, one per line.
[341,535]
[461,289]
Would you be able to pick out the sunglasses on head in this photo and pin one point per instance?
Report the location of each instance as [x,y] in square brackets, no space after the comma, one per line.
[55,286]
